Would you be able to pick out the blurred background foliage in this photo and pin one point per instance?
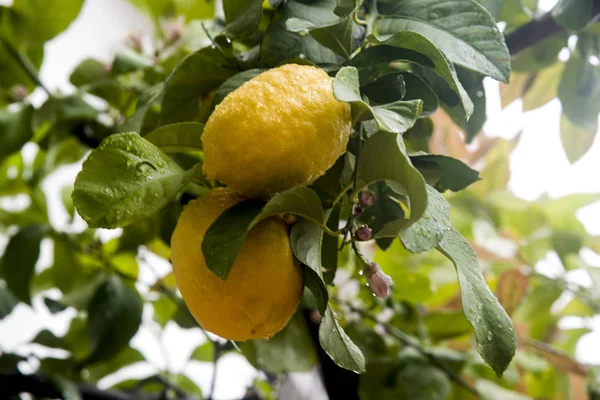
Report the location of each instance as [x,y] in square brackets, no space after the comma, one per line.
[417,342]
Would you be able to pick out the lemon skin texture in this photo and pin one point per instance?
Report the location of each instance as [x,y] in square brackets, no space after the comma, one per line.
[281,129]
[264,285]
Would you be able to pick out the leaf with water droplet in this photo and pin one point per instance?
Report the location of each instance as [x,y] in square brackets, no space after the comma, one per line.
[338,345]
[120,184]
[427,233]
[488,314]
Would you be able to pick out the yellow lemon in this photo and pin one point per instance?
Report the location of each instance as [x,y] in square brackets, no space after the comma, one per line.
[264,285]
[281,129]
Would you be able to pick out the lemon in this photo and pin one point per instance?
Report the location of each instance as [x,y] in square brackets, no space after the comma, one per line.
[264,285]
[281,129]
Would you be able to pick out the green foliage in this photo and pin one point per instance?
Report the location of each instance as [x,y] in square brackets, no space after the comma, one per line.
[396,63]
[338,345]
[124,180]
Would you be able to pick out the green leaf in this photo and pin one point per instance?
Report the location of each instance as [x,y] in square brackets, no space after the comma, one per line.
[186,384]
[13,72]
[243,16]
[124,180]
[306,240]
[416,88]
[412,42]
[67,389]
[422,382]
[386,89]
[18,264]
[463,30]
[493,6]
[473,84]
[191,81]
[427,233]
[383,158]
[195,9]
[233,83]
[15,130]
[8,361]
[336,35]
[225,237]
[573,14]
[417,138]
[338,345]
[496,339]
[115,314]
[7,301]
[49,339]
[145,102]
[330,246]
[204,353]
[179,137]
[544,87]
[45,19]
[579,92]
[125,357]
[395,117]
[444,325]
[128,60]
[290,350]
[154,8]
[88,71]
[492,391]
[280,45]
[448,172]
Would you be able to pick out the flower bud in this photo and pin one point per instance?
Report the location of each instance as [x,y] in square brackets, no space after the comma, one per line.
[173,30]
[290,219]
[357,210]
[363,233]
[367,199]
[19,92]
[378,281]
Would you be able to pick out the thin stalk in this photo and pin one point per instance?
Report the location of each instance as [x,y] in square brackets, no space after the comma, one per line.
[25,63]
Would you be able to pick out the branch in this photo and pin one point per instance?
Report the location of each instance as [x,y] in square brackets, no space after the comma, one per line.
[409,341]
[537,30]
[13,383]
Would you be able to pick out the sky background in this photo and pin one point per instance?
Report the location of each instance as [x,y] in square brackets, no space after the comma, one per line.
[539,167]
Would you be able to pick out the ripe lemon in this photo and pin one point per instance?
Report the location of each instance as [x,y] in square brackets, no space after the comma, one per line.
[281,129]
[264,285]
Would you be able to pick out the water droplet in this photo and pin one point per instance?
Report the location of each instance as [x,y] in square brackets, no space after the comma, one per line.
[145,167]
[479,93]
[490,335]
[432,15]
[302,56]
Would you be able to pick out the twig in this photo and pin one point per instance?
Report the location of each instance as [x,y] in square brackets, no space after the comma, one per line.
[413,343]
[213,381]
[537,30]
[24,62]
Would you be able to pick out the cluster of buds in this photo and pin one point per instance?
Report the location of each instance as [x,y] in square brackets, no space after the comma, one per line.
[377,280]
[365,200]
